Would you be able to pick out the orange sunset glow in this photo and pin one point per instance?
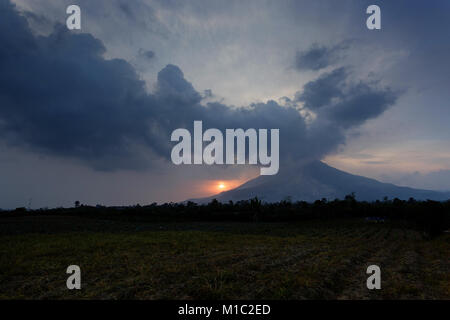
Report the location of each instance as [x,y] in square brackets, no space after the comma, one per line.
[217,186]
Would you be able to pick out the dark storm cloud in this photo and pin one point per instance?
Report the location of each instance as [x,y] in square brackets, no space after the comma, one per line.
[180,106]
[361,102]
[320,92]
[334,97]
[59,95]
[319,57]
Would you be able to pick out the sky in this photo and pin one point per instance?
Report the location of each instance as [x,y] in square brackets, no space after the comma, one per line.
[87,114]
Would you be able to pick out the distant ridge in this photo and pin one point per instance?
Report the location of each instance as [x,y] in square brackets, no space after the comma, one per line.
[317,180]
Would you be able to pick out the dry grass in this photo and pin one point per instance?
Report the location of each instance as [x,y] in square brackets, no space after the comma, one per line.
[313,260]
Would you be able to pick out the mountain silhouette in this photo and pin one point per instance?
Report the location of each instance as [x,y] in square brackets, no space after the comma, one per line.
[316,180]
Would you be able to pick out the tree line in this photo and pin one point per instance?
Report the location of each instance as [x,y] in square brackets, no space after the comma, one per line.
[431,217]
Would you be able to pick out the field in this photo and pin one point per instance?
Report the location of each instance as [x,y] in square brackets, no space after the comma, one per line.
[219,260]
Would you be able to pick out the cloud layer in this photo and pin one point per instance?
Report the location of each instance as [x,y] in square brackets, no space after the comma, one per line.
[59,95]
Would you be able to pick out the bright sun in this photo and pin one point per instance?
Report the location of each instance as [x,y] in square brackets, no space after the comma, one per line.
[221,186]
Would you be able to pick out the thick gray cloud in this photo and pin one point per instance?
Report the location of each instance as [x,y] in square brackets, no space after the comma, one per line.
[59,95]
[319,57]
[361,102]
[335,97]
[320,92]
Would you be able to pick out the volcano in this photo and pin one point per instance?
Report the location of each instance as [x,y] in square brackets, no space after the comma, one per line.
[316,180]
